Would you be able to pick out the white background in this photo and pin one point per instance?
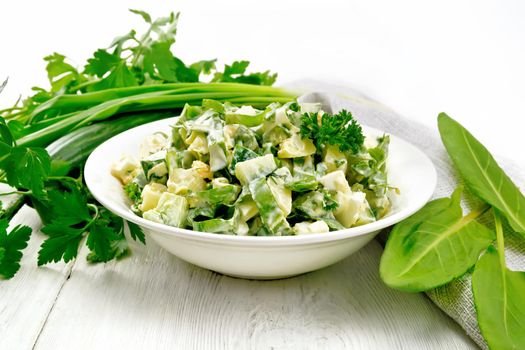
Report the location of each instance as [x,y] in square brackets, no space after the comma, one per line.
[466,58]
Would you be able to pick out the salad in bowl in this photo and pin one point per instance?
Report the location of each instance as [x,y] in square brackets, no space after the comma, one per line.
[259,193]
[289,169]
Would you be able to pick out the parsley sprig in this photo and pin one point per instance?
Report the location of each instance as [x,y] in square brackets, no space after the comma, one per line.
[340,129]
[68,212]
[11,246]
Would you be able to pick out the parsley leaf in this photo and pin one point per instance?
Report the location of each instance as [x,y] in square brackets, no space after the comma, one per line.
[136,232]
[62,243]
[101,63]
[27,168]
[70,220]
[10,248]
[235,73]
[119,249]
[60,73]
[24,167]
[119,42]
[160,63]
[204,67]
[6,136]
[236,68]
[100,238]
[68,207]
[340,129]
[143,14]
[106,238]
[68,216]
[120,76]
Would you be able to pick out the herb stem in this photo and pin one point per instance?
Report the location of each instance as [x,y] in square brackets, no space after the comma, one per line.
[10,109]
[95,217]
[23,193]
[84,84]
[140,46]
[61,178]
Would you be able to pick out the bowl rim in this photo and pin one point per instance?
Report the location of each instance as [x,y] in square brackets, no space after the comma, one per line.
[313,238]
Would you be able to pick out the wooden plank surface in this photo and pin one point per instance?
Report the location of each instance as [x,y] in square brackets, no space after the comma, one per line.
[154,300]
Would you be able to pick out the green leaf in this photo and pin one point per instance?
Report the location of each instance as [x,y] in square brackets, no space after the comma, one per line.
[6,136]
[101,63]
[119,249]
[28,168]
[237,67]
[271,215]
[262,78]
[235,73]
[136,232]
[226,194]
[433,246]
[5,152]
[204,67]
[232,71]
[481,172]
[99,240]
[119,41]
[500,305]
[160,63]
[68,215]
[106,238]
[185,74]
[60,73]
[11,246]
[68,207]
[120,76]
[56,65]
[170,21]
[143,14]
[62,243]
[317,205]
[17,129]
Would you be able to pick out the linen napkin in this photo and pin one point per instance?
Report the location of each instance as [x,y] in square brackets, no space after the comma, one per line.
[455,298]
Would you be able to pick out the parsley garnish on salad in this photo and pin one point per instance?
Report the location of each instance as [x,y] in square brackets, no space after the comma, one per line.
[340,130]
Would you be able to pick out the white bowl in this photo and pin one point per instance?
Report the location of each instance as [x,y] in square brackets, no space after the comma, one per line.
[409,169]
